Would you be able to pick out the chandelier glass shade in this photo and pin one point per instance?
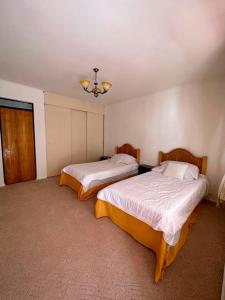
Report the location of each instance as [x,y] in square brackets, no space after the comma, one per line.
[95,90]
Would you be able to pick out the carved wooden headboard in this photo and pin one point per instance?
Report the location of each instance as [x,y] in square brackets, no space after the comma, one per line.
[184,155]
[128,149]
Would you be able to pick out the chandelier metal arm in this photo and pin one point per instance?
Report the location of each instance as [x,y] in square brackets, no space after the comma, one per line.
[91,91]
[86,90]
[103,92]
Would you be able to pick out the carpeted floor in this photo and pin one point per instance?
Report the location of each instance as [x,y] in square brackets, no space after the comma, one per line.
[52,247]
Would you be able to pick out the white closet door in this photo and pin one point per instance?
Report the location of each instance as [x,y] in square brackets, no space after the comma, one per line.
[58,138]
[79,136]
[94,136]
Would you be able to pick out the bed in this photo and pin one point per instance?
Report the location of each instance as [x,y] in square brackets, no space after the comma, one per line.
[156,210]
[88,178]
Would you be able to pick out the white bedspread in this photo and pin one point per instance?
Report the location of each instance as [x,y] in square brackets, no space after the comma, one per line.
[91,174]
[162,202]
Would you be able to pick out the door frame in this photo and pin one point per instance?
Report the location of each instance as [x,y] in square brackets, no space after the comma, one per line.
[32,110]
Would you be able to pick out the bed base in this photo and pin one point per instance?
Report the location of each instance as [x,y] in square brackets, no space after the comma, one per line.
[146,235]
[66,179]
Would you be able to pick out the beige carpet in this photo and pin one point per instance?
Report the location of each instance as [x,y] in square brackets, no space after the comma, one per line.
[52,247]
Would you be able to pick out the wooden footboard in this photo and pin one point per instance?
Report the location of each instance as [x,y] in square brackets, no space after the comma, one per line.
[146,235]
[66,179]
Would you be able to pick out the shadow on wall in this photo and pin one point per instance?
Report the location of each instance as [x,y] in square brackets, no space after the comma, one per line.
[203,125]
[215,66]
[216,69]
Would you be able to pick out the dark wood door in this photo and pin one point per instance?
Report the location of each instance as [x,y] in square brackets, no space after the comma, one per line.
[18,149]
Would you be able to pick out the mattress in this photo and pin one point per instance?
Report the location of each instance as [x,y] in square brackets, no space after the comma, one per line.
[96,173]
[164,203]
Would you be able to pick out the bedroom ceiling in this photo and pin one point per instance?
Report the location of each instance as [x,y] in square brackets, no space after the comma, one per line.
[141,46]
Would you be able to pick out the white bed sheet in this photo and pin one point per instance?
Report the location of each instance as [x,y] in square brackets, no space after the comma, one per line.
[95,173]
[164,203]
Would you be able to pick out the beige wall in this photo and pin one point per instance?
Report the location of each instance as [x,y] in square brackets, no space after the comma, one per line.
[24,93]
[189,116]
[72,103]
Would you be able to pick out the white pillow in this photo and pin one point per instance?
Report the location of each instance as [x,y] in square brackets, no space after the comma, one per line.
[192,171]
[175,170]
[123,158]
[159,169]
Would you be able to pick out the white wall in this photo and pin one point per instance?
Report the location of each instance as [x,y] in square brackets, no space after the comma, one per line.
[16,91]
[189,116]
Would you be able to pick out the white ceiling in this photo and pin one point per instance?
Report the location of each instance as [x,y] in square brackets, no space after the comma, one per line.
[139,45]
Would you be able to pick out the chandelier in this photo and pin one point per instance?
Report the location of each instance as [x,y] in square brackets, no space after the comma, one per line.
[96,91]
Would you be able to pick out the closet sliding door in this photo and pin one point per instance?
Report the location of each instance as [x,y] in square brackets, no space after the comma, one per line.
[72,136]
[79,136]
[58,137]
[94,136]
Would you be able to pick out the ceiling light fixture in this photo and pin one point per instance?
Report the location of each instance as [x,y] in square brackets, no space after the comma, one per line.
[96,91]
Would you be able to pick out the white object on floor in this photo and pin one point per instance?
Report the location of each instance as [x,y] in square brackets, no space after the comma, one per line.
[221,192]
[223,286]
[162,202]
[95,172]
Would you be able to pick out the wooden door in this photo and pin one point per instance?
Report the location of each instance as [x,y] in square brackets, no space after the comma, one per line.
[79,136]
[18,148]
[94,136]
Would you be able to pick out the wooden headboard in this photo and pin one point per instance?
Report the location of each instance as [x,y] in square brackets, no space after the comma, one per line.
[184,155]
[128,149]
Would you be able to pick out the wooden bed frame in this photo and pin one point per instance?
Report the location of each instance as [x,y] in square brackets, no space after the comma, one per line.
[66,179]
[180,154]
[144,233]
